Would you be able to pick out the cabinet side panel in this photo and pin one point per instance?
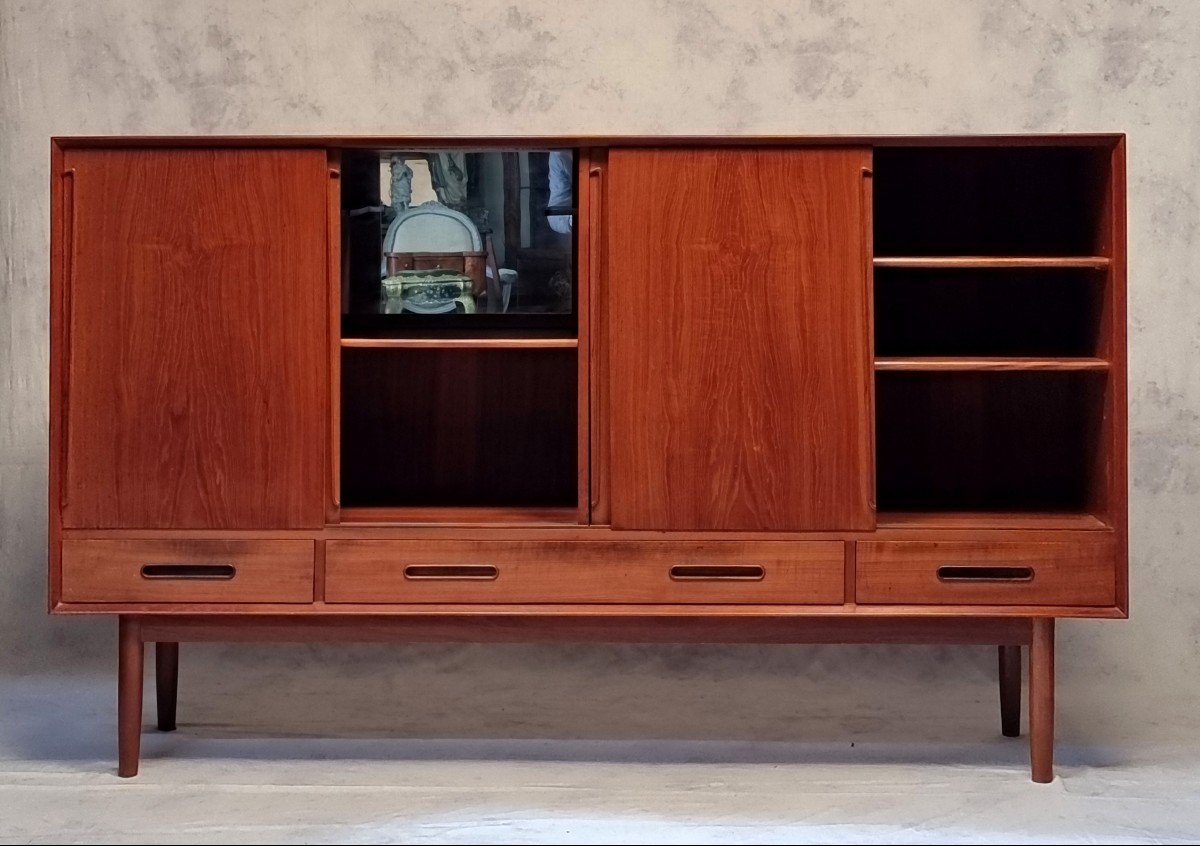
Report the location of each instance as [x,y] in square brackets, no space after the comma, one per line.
[739,371]
[197,368]
[1117,408]
[61,191]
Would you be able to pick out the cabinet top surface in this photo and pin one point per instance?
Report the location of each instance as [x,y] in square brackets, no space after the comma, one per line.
[1109,139]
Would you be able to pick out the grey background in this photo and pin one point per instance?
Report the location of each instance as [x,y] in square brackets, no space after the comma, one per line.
[632,66]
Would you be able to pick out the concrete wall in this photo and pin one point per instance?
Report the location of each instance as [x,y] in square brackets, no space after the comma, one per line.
[640,66]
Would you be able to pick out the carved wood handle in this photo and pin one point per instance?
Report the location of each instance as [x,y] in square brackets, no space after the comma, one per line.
[452,572]
[205,572]
[985,573]
[333,249]
[718,573]
[68,281]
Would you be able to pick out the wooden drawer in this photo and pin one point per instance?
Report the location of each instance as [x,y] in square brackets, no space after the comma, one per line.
[1079,572]
[584,571]
[187,571]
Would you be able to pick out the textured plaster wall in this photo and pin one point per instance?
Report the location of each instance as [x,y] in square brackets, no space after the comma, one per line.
[639,66]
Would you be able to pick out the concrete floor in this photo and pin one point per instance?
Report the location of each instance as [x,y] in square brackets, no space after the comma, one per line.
[265,754]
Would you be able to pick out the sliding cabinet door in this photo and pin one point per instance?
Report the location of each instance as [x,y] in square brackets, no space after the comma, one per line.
[194,336]
[739,371]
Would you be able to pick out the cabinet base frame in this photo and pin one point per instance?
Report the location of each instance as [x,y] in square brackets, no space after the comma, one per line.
[1008,633]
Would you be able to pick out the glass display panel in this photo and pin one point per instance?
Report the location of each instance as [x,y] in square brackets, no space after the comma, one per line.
[458,242]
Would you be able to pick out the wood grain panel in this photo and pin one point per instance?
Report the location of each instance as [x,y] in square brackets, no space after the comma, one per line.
[530,611]
[583,361]
[986,441]
[112,571]
[976,262]
[459,428]
[1062,573]
[632,627]
[378,571]
[597,320]
[549,142]
[958,364]
[739,370]
[197,367]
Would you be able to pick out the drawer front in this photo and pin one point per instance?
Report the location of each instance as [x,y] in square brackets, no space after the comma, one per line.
[187,571]
[584,571]
[981,573]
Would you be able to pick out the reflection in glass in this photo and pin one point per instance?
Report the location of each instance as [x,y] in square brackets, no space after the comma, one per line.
[446,240]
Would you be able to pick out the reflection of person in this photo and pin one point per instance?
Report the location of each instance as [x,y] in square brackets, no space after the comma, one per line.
[402,176]
[559,287]
[560,189]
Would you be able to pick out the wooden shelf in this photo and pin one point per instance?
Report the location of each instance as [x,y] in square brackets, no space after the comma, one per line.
[989,520]
[461,343]
[461,516]
[979,262]
[966,364]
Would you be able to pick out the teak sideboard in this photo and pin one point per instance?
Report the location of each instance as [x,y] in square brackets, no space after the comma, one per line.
[795,390]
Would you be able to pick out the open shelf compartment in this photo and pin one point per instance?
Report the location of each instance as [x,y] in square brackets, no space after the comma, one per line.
[446,429]
[992,312]
[1003,442]
[991,201]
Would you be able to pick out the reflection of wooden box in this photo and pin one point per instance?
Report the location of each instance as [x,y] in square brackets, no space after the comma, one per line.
[433,291]
[468,263]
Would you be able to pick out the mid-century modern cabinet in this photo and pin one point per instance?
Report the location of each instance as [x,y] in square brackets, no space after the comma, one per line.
[754,390]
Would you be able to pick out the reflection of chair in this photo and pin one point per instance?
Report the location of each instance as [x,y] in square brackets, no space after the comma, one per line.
[433,236]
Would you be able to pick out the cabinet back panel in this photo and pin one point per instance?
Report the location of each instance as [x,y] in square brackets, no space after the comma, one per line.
[466,427]
[196,339]
[1037,201]
[988,441]
[988,312]
[737,317]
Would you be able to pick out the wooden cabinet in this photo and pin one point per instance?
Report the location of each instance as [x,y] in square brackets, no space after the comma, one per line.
[831,390]
[739,346]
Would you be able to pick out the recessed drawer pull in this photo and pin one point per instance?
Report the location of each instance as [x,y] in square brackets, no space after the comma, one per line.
[189,571]
[962,573]
[468,572]
[718,572]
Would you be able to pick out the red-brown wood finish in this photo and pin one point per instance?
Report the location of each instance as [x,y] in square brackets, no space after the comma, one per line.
[554,142]
[632,626]
[804,573]
[1111,462]
[130,667]
[122,571]
[1009,669]
[739,355]
[1068,572]
[62,189]
[195,326]
[722,414]
[583,359]
[333,283]
[466,427]
[1041,701]
[166,683]
[599,424]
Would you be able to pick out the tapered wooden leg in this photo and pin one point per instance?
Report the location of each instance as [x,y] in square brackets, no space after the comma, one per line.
[1041,701]
[129,696]
[166,683]
[1010,691]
